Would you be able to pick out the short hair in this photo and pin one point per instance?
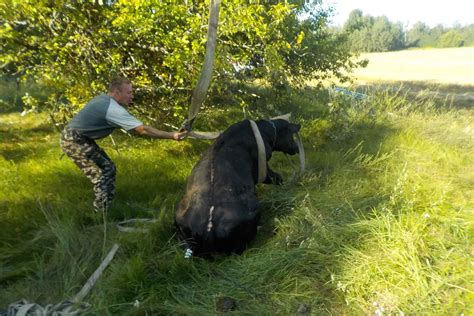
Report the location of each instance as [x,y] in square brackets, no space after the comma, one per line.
[117,83]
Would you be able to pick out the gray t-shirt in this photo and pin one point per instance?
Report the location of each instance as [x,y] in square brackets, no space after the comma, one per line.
[100,116]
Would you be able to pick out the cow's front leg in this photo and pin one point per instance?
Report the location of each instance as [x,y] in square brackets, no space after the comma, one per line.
[273,177]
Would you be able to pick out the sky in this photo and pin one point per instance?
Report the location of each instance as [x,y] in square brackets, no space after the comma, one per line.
[446,12]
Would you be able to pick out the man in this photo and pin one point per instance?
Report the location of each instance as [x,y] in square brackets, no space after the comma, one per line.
[97,119]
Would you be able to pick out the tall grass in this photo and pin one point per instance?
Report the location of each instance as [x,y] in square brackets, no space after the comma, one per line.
[381,223]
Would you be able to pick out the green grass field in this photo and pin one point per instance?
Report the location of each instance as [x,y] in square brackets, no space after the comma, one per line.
[381,222]
[442,66]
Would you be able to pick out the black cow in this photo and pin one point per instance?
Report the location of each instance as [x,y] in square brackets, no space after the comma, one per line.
[219,211]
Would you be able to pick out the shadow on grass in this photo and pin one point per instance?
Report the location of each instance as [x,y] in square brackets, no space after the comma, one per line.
[19,143]
[17,154]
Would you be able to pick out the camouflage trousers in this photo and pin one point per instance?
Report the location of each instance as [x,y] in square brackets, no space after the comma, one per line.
[94,163]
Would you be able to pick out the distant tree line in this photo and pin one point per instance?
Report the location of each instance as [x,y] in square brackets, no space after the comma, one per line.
[366,33]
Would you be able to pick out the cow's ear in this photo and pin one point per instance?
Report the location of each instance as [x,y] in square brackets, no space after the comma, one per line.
[295,128]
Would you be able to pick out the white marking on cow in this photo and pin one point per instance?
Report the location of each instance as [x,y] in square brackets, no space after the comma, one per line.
[212,174]
[209,224]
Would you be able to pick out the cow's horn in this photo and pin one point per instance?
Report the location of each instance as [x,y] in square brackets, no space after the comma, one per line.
[285,117]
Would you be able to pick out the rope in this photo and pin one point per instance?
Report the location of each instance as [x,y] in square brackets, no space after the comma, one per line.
[67,307]
[203,135]
[125,227]
[204,81]
[75,306]
[200,91]
[25,308]
[95,276]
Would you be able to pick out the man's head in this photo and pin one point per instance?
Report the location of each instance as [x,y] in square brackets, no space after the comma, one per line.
[121,90]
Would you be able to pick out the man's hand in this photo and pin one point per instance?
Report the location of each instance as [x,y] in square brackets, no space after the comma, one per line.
[180,135]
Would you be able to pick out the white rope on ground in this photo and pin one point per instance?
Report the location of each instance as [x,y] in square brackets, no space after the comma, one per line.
[75,306]
[68,307]
[24,308]
[127,226]
[95,276]
[105,232]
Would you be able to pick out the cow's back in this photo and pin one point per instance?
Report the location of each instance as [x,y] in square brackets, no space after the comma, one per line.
[218,212]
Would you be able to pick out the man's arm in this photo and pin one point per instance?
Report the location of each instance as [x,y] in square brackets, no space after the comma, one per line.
[145,130]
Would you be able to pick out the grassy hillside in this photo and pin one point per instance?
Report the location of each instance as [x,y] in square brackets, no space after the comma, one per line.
[381,222]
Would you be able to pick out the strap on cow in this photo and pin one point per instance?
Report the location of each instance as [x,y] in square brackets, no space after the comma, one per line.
[262,157]
[299,141]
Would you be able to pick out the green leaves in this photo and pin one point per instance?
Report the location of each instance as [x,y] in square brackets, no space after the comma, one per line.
[76,48]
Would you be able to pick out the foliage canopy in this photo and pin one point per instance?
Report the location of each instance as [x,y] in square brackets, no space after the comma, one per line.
[74,48]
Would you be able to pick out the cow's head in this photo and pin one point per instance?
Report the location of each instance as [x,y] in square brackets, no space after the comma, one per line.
[285,133]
